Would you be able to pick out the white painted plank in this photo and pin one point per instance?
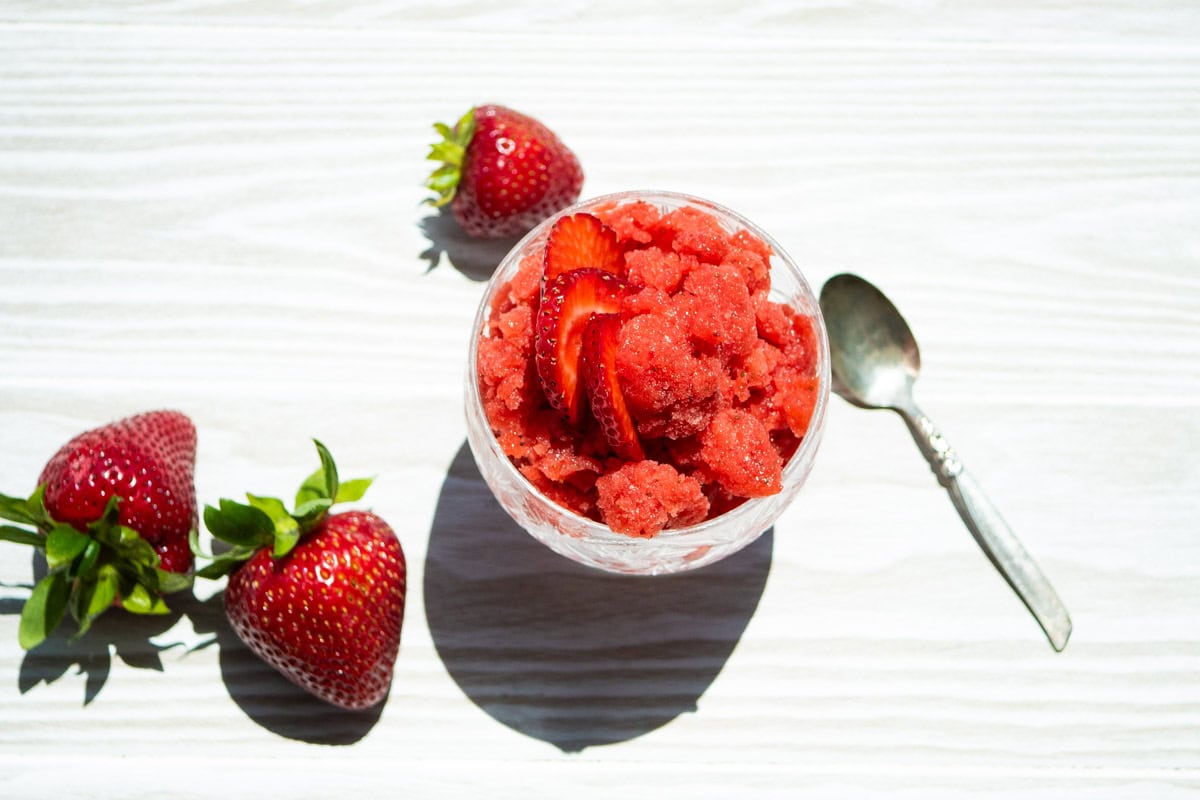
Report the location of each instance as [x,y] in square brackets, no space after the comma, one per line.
[216,206]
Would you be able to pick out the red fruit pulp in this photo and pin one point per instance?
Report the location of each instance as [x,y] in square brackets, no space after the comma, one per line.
[581,241]
[718,380]
[598,362]
[567,303]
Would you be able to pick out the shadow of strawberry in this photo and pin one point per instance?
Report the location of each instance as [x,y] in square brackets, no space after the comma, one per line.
[262,693]
[475,258]
[268,698]
[115,633]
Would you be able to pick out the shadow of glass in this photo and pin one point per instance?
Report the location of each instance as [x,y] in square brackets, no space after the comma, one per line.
[567,654]
[267,697]
[475,258]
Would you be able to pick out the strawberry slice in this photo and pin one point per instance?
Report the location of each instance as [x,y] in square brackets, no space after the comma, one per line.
[582,241]
[568,302]
[598,363]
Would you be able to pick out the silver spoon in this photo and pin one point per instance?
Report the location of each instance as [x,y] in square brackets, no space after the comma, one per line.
[875,361]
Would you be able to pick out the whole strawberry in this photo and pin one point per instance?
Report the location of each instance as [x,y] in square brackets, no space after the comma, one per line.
[318,596]
[503,172]
[148,461]
[113,510]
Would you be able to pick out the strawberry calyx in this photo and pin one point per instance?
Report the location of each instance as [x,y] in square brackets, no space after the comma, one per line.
[90,570]
[265,522]
[450,151]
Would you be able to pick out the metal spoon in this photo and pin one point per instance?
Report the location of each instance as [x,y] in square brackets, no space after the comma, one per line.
[875,362]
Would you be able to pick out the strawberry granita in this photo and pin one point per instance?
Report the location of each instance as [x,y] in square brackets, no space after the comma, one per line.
[636,370]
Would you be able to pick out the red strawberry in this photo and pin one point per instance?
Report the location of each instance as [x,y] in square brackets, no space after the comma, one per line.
[148,461]
[581,240]
[503,172]
[318,596]
[568,302]
[598,363]
[114,510]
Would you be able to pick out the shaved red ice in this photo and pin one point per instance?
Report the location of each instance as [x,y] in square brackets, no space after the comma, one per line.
[641,498]
[720,381]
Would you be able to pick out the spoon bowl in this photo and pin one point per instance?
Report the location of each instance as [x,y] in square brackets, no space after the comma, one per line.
[874,361]
[877,360]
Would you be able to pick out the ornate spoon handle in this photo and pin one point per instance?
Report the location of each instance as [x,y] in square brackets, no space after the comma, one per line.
[991,531]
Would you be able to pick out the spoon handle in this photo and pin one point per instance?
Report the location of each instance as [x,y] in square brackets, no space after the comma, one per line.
[991,531]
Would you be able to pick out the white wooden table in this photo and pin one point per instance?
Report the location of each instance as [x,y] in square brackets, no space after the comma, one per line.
[215,206]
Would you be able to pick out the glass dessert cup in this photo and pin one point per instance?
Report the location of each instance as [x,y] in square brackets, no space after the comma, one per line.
[593,543]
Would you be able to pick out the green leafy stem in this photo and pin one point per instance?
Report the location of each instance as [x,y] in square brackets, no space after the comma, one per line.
[451,151]
[89,570]
[265,522]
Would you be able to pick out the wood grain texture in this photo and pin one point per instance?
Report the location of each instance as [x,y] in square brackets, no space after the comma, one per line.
[216,206]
